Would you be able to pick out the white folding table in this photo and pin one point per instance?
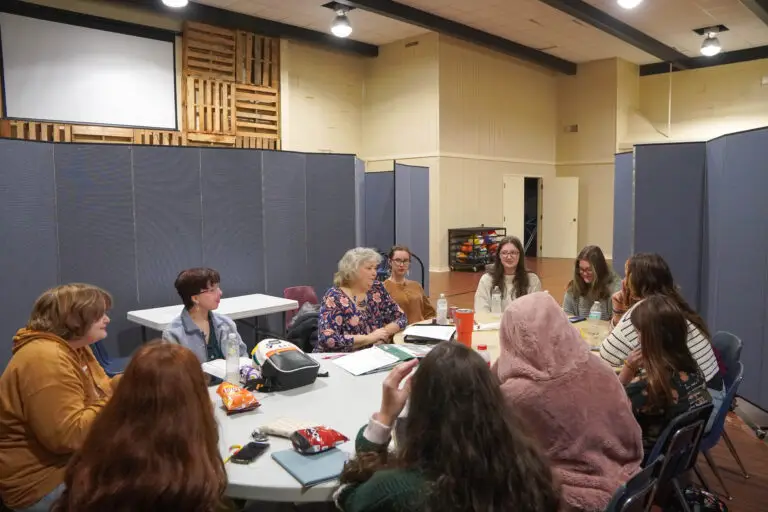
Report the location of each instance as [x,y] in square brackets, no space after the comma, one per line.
[236,308]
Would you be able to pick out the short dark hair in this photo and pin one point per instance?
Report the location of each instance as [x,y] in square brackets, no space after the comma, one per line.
[192,281]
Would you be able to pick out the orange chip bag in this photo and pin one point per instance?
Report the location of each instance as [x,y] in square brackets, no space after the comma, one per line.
[236,399]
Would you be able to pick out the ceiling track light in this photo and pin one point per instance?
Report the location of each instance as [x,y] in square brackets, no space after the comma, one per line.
[176,4]
[341,26]
[629,4]
[711,45]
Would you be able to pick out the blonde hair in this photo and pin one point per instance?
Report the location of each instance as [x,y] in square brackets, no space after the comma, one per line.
[351,262]
[69,310]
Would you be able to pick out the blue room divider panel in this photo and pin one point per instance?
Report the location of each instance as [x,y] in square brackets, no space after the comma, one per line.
[669,206]
[380,210]
[28,232]
[359,202]
[233,218]
[285,224]
[623,215]
[710,252]
[94,188]
[331,216]
[169,224]
[737,226]
[412,215]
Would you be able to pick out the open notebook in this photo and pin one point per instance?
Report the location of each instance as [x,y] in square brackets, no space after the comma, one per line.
[379,358]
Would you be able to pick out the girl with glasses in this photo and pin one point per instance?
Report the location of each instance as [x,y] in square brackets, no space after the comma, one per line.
[592,282]
[509,274]
[408,294]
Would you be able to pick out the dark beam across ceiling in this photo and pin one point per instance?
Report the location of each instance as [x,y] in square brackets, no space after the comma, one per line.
[233,20]
[732,57]
[610,25]
[759,8]
[413,16]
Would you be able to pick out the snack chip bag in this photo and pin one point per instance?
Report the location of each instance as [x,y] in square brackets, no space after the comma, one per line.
[316,439]
[236,399]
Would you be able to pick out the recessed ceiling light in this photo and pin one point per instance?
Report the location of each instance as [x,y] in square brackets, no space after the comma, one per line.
[711,45]
[176,3]
[629,4]
[341,26]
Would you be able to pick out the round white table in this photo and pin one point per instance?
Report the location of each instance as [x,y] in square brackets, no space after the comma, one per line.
[340,401]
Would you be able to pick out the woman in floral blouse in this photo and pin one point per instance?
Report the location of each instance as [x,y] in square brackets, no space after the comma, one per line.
[661,377]
[357,312]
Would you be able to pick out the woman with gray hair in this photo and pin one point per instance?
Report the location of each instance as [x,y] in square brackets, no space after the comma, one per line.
[357,312]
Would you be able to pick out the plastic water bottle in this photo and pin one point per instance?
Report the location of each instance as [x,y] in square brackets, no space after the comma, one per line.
[233,359]
[593,323]
[483,351]
[496,301]
[442,310]
[595,312]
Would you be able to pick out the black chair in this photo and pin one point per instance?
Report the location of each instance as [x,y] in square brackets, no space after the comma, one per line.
[679,443]
[637,494]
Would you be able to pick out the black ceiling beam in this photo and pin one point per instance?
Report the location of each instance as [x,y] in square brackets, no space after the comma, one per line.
[610,25]
[413,16]
[759,8]
[732,57]
[236,21]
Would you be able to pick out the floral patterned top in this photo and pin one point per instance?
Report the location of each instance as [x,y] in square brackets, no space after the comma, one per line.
[341,318]
[689,390]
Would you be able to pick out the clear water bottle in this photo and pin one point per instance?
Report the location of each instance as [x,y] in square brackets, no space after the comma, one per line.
[596,312]
[442,310]
[233,359]
[483,351]
[593,328]
[496,301]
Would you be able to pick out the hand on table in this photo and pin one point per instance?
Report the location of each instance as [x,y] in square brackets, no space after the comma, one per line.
[393,396]
[379,336]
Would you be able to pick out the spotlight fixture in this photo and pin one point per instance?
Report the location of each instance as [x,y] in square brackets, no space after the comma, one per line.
[176,4]
[341,26]
[711,45]
[629,4]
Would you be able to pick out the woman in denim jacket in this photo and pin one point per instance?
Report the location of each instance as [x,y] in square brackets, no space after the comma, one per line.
[199,327]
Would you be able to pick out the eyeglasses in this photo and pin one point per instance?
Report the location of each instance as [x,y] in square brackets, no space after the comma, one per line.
[509,254]
[585,270]
[401,262]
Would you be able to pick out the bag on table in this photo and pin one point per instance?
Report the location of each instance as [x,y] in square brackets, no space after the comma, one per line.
[284,365]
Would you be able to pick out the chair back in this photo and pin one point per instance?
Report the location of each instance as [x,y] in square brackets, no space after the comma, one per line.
[728,347]
[101,354]
[636,495]
[694,417]
[302,295]
[712,437]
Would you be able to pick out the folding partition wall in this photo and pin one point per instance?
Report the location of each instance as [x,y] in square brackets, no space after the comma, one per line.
[702,206]
[412,216]
[380,210]
[130,218]
[623,201]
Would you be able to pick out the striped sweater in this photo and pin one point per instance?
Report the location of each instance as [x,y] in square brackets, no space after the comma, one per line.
[624,339]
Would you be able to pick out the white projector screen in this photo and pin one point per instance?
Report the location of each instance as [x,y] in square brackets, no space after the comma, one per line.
[66,73]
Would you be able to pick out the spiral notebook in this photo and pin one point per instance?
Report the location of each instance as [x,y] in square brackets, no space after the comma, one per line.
[312,469]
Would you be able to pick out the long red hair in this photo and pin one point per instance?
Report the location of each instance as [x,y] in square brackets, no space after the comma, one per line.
[154,447]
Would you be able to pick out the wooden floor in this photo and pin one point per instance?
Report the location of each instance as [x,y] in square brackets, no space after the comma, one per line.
[748,495]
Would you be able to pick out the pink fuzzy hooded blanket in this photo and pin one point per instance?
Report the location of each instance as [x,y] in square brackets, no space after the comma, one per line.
[572,402]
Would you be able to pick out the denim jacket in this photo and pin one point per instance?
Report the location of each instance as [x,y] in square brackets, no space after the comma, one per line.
[184,331]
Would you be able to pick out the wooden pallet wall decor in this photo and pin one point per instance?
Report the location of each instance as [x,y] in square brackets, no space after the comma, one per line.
[33,130]
[258,60]
[209,106]
[208,51]
[102,134]
[257,143]
[204,139]
[257,111]
[159,138]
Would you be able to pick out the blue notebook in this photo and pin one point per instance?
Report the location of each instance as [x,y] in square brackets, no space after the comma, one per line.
[312,469]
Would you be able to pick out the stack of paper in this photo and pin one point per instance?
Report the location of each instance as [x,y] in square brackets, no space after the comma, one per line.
[380,358]
[428,333]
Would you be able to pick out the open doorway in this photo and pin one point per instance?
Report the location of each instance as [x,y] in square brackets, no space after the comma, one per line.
[532,215]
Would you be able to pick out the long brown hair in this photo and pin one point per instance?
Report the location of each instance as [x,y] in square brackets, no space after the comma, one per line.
[648,274]
[154,447]
[664,341]
[600,287]
[521,280]
[470,447]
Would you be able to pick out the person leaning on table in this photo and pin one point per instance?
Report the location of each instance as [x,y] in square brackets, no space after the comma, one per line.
[199,327]
[357,311]
[50,393]
[592,282]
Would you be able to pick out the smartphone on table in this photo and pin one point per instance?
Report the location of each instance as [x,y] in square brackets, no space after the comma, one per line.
[249,453]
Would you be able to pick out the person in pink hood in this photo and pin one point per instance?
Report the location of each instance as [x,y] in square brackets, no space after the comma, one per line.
[571,401]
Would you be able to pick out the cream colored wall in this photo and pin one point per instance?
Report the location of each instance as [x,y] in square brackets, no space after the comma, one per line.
[627,100]
[590,100]
[321,99]
[400,112]
[706,103]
